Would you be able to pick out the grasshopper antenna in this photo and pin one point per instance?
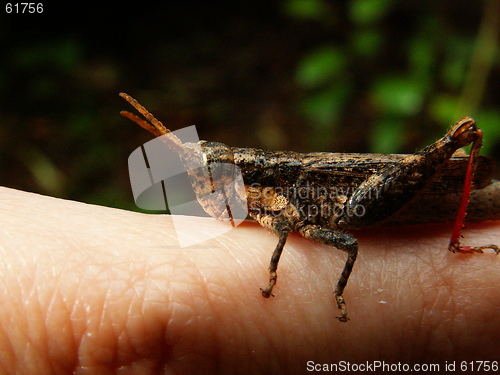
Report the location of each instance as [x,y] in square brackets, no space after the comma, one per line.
[154,125]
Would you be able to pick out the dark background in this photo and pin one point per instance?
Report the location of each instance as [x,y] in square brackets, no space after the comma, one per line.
[304,75]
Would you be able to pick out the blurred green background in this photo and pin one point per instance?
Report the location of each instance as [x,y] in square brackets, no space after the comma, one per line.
[304,75]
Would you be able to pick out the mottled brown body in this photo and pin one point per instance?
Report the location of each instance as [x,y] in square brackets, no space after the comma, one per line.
[324,178]
[318,195]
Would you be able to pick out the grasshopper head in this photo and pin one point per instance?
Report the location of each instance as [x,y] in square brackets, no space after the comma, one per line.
[215,178]
[464,132]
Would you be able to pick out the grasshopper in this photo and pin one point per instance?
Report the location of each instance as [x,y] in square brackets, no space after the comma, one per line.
[320,195]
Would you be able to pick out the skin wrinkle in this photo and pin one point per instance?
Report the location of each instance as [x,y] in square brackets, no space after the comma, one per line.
[94,350]
[246,325]
[420,277]
[35,338]
[434,339]
[229,321]
[134,322]
[209,301]
[116,324]
[439,319]
[456,319]
[191,289]
[111,323]
[149,270]
[7,352]
[8,323]
[441,314]
[319,263]
[57,318]
[154,310]
[134,317]
[226,321]
[104,326]
[292,270]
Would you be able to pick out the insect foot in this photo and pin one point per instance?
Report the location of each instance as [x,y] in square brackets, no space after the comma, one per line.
[266,292]
[455,247]
[341,305]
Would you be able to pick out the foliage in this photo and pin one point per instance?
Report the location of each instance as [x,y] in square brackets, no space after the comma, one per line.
[420,69]
[306,75]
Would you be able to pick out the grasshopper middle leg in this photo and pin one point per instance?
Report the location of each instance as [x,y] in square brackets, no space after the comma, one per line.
[342,241]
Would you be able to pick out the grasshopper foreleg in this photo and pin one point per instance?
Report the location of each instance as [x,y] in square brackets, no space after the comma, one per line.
[282,225]
[273,266]
[275,212]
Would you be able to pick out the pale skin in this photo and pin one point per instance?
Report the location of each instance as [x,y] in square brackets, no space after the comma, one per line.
[97,290]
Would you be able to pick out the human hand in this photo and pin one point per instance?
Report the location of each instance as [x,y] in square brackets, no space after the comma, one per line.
[100,290]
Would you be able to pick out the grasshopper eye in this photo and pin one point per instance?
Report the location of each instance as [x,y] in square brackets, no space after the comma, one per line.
[219,160]
[216,152]
[462,126]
